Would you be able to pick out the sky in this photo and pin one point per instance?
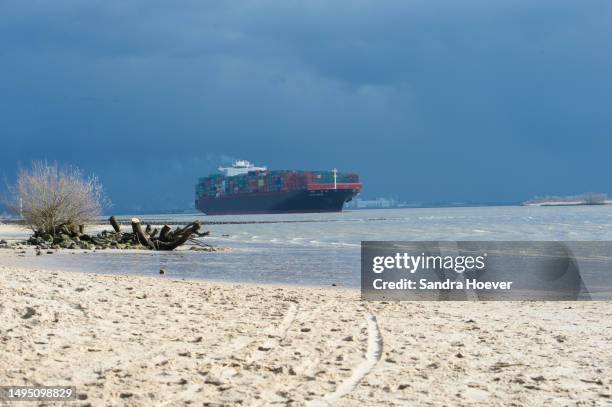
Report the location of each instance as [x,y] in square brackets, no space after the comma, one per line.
[429,101]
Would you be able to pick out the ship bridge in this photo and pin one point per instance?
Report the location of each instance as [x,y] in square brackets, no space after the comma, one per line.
[240,167]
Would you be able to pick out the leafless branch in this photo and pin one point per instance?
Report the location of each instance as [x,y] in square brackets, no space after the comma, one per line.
[47,196]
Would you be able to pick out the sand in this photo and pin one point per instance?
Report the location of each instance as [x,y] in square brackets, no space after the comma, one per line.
[126,340]
[140,341]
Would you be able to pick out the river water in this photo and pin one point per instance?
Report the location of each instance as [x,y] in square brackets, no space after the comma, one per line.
[324,249]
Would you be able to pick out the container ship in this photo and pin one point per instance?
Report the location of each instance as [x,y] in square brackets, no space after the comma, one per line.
[246,189]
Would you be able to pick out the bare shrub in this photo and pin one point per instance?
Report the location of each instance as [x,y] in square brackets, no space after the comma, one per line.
[49,197]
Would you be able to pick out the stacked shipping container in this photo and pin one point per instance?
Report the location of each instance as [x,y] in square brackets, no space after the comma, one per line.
[272,181]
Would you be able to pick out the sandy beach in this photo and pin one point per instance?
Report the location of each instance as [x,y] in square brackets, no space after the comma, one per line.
[128,340]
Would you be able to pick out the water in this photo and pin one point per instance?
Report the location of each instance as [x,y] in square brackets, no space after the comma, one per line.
[324,249]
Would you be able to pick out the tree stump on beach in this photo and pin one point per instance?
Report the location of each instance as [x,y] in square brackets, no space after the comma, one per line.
[179,238]
[167,240]
[163,234]
[115,224]
[140,236]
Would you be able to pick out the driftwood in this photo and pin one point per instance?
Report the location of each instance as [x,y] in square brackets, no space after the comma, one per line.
[141,237]
[73,237]
[167,240]
[115,224]
[163,234]
[179,238]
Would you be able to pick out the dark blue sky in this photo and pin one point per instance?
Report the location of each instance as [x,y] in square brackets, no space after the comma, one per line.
[427,100]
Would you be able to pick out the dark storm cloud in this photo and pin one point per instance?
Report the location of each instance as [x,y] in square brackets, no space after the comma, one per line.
[428,100]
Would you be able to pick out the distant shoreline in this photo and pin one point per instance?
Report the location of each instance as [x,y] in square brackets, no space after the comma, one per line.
[590,199]
[566,203]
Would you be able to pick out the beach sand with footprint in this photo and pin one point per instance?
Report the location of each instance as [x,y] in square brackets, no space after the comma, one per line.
[137,341]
